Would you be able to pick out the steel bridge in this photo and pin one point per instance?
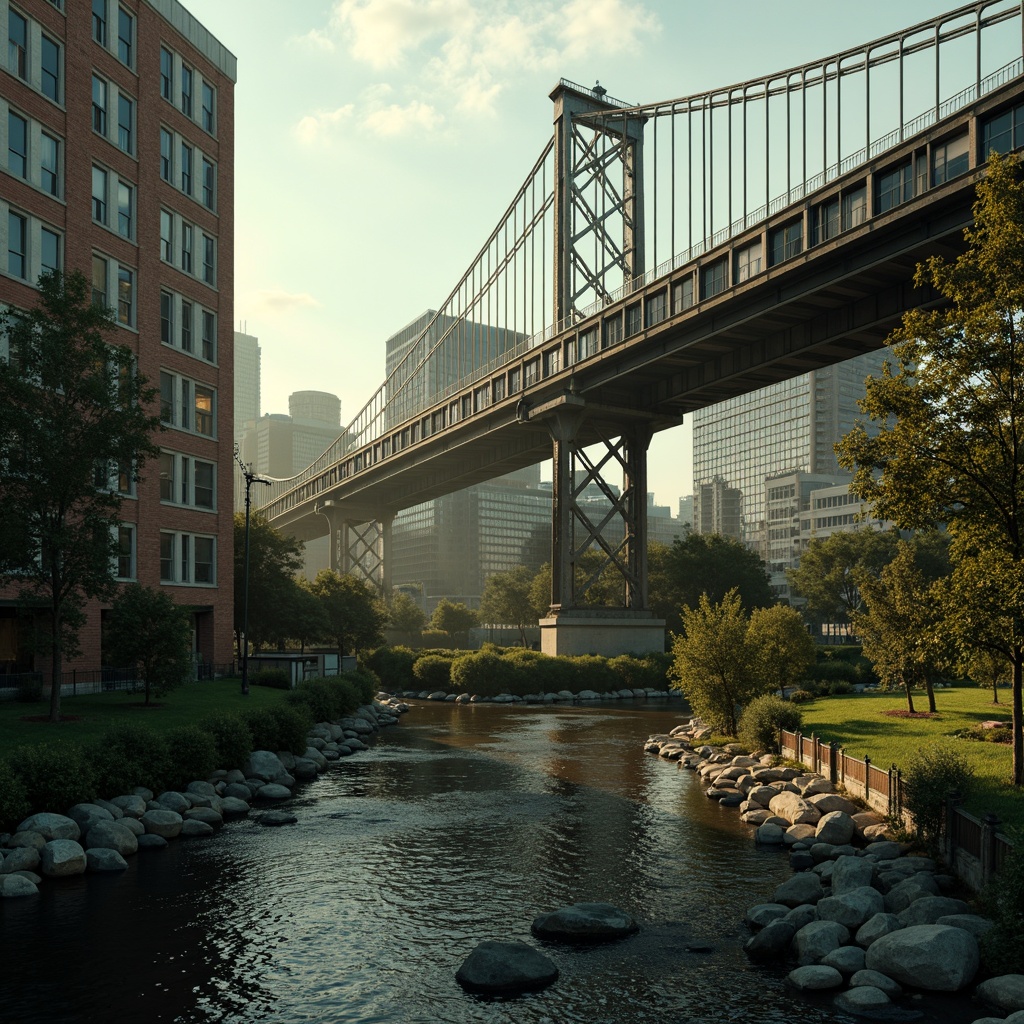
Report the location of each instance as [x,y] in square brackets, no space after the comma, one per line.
[662,257]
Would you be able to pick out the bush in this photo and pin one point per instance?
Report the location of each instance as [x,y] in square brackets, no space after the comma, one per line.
[14,805]
[283,727]
[433,672]
[801,696]
[931,774]
[593,673]
[128,755]
[483,673]
[232,738]
[55,775]
[839,688]
[835,671]
[366,683]
[762,719]
[322,701]
[275,678]
[1002,948]
[394,667]
[434,637]
[193,755]
[30,690]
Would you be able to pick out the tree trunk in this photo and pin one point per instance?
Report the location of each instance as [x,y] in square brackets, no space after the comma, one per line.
[995,691]
[1018,722]
[931,695]
[910,696]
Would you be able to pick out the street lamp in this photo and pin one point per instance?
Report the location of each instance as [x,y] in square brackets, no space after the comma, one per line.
[250,479]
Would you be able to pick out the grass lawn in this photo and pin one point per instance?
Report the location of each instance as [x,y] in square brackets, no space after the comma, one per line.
[859,723]
[90,715]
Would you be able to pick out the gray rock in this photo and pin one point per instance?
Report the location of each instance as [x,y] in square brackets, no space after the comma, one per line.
[814,978]
[797,834]
[61,858]
[108,805]
[273,791]
[505,967]
[87,814]
[873,979]
[826,802]
[847,960]
[133,825]
[794,808]
[835,827]
[111,835]
[151,841]
[51,826]
[131,806]
[851,873]
[305,769]
[934,957]
[901,895]
[764,913]
[804,914]
[101,859]
[1004,993]
[584,922]
[882,849]
[802,888]
[852,908]
[22,858]
[233,807]
[13,886]
[771,942]
[238,790]
[314,755]
[22,839]
[265,765]
[862,1001]
[973,923]
[202,787]
[928,910]
[277,818]
[769,834]
[818,939]
[192,829]
[162,822]
[206,814]
[875,927]
[174,801]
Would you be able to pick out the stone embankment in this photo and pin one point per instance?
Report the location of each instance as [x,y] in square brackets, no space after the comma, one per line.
[98,837]
[561,697]
[863,916]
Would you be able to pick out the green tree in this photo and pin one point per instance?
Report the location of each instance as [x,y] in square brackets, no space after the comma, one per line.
[454,618]
[148,631]
[405,616]
[274,559]
[598,584]
[949,416]
[781,648]
[989,668]
[507,600]
[301,618]
[704,564]
[712,661]
[76,426]
[827,576]
[355,616]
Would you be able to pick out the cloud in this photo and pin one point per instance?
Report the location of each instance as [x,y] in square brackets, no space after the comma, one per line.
[316,40]
[594,28]
[314,127]
[381,32]
[280,301]
[395,120]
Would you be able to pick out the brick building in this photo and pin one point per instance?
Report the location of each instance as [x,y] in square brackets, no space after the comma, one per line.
[118,118]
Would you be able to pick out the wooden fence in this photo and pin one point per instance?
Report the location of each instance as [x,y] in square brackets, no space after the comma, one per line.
[973,847]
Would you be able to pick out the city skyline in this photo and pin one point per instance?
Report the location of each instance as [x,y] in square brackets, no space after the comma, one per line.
[396,123]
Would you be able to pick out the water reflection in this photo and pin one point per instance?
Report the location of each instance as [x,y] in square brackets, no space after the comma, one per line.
[463,824]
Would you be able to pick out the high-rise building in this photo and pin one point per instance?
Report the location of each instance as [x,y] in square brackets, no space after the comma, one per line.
[787,427]
[119,163]
[247,381]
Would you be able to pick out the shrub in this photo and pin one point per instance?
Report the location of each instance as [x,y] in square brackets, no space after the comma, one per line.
[366,682]
[55,775]
[483,673]
[128,755]
[232,738]
[30,689]
[835,671]
[14,804]
[322,701]
[283,727]
[394,667]
[930,775]
[593,673]
[839,687]
[763,717]
[801,696]
[434,637]
[275,678]
[433,672]
[1002,948]
[193,754]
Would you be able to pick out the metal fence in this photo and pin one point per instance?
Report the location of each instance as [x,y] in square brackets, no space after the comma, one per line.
[973,847]
[75,682]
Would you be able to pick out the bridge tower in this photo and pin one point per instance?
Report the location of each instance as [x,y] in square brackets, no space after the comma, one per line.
[360,543]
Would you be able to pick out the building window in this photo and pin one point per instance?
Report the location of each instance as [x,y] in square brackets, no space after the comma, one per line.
[655,308]
[167,318]
[99,21]
[612,331]
[205,569]
[125,119]
[186,169]
[167,557]
[186,326]
[682,294]
[633,320]
[209,270]
[186,90]
[187,481]
[50,69]
[186,248]
[125,209]
[17,44]
[99,195]
[1002,133]
[855,208]
[950,160]
[187,558]
[713,279]
[203,484]
[748,262]
[126,296]
[204,410]
[17,238]
[895,187]
[17,145]
[99,105]
[125,36]
[825,221]
[184,402]
[49,250]
[99,281]
[166,237]
[786,242]
[209,103]
[209,183]
[166,142]
[209,336]
[125,552]
[49,164]
[166,73]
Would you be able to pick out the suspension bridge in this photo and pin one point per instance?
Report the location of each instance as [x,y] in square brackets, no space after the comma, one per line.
[662,257]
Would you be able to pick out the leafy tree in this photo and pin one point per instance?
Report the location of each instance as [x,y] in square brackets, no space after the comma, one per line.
[781,648]
[302,618]
[355,616]
[989,668]
[598,584]
[147,630]
[453,618]
[712,661]
[405,616]
[704,564]
[506,600]
[949,414]
[274,559]
[827,575]
[74,414]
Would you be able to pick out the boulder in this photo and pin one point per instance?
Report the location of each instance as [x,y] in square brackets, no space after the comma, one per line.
[880,849]
[584,922]
[873,979]
[202,787]
[238,791]
[814,978]
[764,913]
[51,826]
[827,802]
[1004,993]
[505,967]
[851,873]
[174,801]
[23,839]
[794,808]
[797,834]
[769,834]
[818,939]
[902,894]
[265,765]
[863,1001]
[111,835]
[875,927]
[802,888]
[234,807]
[151,841]
[771,942]
[815,785]
[804,914]
[273,791]
[852,908]
[87,814]
[928,910]
[62,857]
[26,858]
[847,960]
[835,827]
[13,886]
[973,923]
[192,829]
[162,822]
[102,859]
[206,814]
[929,956]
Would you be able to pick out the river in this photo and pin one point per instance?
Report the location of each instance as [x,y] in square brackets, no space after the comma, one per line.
[461,824]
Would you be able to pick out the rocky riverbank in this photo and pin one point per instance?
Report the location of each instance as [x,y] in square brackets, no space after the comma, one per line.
[863,916]
[561,697]
[98,837]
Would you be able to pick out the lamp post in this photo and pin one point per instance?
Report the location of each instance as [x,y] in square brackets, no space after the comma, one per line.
[250,479]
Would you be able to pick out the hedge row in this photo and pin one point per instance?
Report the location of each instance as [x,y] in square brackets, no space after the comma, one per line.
[59,773]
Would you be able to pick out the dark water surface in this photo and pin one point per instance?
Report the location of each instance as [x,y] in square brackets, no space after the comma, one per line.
[462,824]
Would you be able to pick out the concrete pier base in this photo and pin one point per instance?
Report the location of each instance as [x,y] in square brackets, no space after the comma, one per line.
[609,632]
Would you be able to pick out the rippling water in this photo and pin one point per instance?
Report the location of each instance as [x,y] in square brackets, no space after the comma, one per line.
[462,824]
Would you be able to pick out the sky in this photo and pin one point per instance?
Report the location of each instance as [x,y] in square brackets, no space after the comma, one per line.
[378,142]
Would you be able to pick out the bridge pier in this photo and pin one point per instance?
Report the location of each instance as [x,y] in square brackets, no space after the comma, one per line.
[573,626]
[360,543]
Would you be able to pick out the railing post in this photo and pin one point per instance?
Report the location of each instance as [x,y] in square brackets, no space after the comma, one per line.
[867,779]
[814,753]
[989,827]
[833,767]
[800,746]
[896,798]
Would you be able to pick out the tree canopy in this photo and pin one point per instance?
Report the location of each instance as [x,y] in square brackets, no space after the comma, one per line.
[507,600]
[76,427]
[453,618]
[355,616]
